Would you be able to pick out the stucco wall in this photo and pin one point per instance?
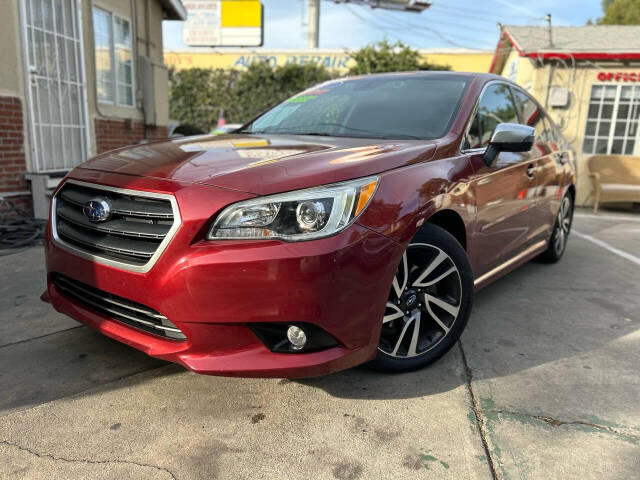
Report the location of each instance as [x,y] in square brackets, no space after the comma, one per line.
[11,51]
[14,144]
[578,78]
[129,9]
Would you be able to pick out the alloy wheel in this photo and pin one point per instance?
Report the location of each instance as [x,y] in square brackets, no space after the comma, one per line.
[563,225]
[423,304]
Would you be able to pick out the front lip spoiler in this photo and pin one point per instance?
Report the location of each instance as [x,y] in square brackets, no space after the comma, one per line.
[45,297]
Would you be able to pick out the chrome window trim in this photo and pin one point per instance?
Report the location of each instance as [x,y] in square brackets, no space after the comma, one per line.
[177,221]
[468,151]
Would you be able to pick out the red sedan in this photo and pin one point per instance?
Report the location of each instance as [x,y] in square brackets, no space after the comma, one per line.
[349,224]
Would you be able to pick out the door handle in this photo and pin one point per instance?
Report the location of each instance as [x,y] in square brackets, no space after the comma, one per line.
[562,157]
[531,170]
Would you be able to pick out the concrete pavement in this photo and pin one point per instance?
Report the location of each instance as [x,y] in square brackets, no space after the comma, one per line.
[544,384]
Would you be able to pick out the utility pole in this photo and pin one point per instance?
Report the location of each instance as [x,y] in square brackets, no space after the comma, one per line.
[548,19]
[313,23]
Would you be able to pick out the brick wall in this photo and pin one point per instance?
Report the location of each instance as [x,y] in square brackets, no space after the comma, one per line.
[112,134]
[12,156]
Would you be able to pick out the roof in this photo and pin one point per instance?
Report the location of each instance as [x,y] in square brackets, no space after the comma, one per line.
[174,9]
[593,42]
[590,38]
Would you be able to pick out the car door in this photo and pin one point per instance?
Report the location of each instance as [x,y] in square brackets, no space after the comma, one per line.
[504,191]
[548,154]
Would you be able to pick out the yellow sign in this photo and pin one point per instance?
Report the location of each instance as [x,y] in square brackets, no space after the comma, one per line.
[241,13]
[223,23]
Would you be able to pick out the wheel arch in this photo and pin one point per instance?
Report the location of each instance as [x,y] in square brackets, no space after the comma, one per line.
[452,222]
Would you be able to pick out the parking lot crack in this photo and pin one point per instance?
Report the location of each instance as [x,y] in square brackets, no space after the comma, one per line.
[479,418]
[554,422]
[86,461]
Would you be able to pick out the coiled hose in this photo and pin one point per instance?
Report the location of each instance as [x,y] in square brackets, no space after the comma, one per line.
[18,229]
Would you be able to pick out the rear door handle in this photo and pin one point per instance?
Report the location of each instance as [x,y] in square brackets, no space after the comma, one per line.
[562,157]
[531,170]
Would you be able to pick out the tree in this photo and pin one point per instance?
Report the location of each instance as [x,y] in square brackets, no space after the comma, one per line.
[388,57]
[262,86]
[620,12]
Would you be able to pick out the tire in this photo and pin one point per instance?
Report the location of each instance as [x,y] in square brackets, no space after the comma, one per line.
[435,270]
[560,234]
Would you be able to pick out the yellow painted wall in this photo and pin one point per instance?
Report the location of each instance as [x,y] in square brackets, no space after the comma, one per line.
[338,60]
[534,77]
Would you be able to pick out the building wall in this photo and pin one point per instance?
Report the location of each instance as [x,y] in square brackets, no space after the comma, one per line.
[535,76]
[572,120]
[12,154]
[117,126]
[115,133]
[338,60]
[13,128]
[108,126]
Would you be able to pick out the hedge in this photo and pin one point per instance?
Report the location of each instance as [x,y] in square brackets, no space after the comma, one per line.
[198,95]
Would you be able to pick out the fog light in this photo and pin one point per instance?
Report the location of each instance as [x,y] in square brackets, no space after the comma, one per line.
[297,337]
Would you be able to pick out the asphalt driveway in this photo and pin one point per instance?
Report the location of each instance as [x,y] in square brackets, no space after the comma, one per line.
[544,384]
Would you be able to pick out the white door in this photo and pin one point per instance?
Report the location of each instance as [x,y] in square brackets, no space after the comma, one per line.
[56,97]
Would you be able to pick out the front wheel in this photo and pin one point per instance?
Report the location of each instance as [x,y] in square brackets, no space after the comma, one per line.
[429,302]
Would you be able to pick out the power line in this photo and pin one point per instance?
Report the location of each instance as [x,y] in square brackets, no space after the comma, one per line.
[452,24]
[405,25]
[400,25]
[483,13]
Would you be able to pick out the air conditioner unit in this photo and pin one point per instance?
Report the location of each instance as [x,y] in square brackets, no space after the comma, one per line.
[154,84]
[559,97]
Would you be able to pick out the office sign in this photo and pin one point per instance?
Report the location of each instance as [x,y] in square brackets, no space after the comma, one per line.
[605,76]
[223,23]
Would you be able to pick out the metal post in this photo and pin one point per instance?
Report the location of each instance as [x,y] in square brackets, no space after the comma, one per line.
[313,26]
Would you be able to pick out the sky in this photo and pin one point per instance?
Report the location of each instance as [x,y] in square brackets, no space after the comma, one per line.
[447,24]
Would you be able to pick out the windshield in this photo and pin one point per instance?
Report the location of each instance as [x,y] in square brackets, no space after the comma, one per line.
[390,107]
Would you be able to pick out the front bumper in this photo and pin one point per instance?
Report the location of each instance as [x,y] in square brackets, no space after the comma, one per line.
[213,290]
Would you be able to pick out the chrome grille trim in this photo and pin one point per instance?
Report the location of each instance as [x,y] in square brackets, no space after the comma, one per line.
[141,233]
[117,308]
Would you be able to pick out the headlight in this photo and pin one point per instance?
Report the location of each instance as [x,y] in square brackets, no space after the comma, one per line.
[295,216]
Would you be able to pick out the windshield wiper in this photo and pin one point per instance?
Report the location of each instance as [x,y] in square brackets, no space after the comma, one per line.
[369,133]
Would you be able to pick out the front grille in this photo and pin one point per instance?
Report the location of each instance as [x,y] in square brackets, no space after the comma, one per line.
[117,308]
[137,229]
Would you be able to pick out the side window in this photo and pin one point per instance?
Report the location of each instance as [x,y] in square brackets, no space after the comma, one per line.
[532,115]
[527,108]
[496,106]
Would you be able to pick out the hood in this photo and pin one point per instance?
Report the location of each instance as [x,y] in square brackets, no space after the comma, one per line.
[262,164]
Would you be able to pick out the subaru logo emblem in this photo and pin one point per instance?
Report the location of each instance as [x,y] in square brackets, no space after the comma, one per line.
[97,210]
[411,300]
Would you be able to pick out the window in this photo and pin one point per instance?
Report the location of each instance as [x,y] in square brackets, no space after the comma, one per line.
[531,115]
[496,106]
[527,108]
[612,119]
[114,68]
[400,106]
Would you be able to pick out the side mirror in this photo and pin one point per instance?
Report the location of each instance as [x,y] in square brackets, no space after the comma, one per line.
[509,137]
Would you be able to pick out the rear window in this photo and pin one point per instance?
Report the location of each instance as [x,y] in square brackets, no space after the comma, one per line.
[377,107]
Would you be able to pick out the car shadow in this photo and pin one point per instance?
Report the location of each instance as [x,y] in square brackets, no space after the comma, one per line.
[536,315]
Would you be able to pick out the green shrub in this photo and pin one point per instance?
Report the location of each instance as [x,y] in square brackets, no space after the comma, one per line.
[198,95]
[388,57]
